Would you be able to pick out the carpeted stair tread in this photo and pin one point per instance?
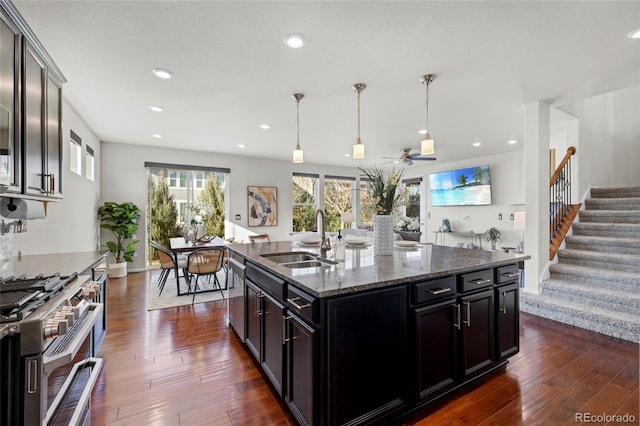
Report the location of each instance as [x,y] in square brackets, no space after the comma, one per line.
[606,298]
[609,261]
[612,204]
[616,230]
[619,192]
[610,216]
[617,324]
[604,244]
[626,281]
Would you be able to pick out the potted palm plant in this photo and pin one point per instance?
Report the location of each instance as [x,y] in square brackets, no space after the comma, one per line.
[122,220]
[493,235]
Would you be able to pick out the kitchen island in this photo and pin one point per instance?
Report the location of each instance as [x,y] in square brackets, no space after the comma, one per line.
[373,338]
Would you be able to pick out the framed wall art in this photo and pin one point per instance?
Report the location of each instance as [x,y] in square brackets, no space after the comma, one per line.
[262,205]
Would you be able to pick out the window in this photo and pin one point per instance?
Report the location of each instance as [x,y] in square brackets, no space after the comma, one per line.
[89,163]
[198,180]
[305,201]
[75,153]
[412,188]
[177,179]
[338,199]
[367,203]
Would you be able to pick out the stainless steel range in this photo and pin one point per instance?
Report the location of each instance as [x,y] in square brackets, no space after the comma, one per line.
[47,363]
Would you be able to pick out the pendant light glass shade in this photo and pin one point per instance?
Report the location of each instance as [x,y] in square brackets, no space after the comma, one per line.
[358,148]
[298,156]
[427,145]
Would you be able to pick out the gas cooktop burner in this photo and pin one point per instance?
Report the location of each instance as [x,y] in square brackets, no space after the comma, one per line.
[19,296]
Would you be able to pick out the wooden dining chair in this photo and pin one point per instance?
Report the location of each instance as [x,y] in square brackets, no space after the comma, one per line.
[260,238]
[168,264]
[207,262]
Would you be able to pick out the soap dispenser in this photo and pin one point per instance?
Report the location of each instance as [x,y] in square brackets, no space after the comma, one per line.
[339,248]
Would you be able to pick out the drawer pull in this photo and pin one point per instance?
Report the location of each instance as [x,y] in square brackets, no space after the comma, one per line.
[441,290]
[295,305]
[480,281]
[510,274]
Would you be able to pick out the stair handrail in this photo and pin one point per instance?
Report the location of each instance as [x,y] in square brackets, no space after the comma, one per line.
[562,211]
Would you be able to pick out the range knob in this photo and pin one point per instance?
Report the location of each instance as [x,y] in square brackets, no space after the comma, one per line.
[55,327]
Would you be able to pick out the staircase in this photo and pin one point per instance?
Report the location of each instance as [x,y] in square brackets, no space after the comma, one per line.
[596,282]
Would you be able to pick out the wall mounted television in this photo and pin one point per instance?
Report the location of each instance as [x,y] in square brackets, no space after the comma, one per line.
[461,187]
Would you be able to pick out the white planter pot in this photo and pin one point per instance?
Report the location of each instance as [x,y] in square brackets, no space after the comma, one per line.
[118,270]
[382,235]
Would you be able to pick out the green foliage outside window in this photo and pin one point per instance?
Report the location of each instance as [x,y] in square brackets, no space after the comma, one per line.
[213,197]
[164,224]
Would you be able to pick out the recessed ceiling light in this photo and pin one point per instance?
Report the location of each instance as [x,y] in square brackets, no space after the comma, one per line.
[241,145]
[477,144]
[635,34]
[156,108]
[294,41]
[512,142]
[347,155]
[157,136]
[162,73]
[422,132]
[265,126]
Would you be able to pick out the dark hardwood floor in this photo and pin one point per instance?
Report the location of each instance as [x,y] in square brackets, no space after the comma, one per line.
[184,366]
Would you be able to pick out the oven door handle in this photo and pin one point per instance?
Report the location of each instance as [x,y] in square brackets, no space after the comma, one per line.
[96,365]
[67,346]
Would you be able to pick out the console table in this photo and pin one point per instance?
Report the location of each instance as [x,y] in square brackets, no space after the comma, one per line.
[471,234]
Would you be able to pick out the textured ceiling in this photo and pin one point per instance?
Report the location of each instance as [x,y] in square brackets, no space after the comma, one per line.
[233,72]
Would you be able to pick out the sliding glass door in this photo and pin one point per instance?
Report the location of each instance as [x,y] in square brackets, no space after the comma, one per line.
[181,197]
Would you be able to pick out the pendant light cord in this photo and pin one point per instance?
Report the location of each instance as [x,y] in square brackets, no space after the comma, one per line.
[359,116]
[298,123]
[427,82]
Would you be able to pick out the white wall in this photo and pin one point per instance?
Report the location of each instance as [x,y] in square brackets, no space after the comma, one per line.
[507,197]
[608,145]
[124,179]
[72,224]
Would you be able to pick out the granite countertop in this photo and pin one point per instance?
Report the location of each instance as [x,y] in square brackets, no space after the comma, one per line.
[49,264]
[362,270]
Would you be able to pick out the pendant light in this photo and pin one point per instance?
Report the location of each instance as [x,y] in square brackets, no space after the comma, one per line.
[358,148]
[427,146]
[297,153]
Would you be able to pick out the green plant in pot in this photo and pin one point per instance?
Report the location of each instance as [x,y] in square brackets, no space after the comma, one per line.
[122,220]
[493,235]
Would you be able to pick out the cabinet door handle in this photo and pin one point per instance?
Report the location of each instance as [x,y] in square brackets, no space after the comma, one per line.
[456,323]
[504,302]
[468,321]
[439,290]
[295,305]
[510,274]
[258,310]
[285,339]
[480,281]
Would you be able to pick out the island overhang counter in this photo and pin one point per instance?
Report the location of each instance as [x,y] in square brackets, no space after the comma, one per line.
[373,338]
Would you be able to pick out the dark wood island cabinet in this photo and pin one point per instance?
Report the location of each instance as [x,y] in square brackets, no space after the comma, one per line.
[351,344]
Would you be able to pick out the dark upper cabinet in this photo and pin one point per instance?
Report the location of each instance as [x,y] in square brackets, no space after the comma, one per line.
[30,111]
[10,147]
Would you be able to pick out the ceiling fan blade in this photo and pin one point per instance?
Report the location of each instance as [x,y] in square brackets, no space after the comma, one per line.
[424,158]
[392,158]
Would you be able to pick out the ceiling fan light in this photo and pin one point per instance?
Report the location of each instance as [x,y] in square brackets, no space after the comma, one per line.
[427,146]
[358,150]
[298,156]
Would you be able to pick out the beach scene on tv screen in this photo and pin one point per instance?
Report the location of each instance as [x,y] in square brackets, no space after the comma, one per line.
[462,187]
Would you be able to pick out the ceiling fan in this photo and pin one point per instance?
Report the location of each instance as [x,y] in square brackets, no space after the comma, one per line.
[408,158]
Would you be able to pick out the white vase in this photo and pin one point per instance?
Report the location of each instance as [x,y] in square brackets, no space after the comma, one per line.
[382,235]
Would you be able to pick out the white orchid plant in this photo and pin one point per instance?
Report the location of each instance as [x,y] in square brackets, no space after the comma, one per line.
[408,224]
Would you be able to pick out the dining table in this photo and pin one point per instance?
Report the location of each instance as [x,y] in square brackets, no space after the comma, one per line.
[178,246]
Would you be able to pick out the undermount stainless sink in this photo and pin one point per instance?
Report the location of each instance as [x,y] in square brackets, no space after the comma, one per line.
[295,260]
[289,257]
